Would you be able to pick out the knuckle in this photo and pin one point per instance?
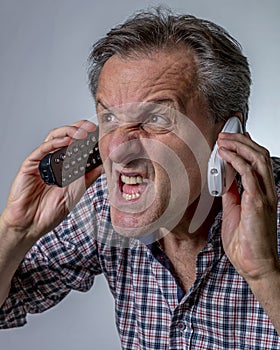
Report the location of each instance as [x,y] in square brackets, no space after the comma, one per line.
[265,155]
[262,157]
[79,123]
[83,123]
[50,133]
[259,203]
[248,169]
[263,203]
[54,131]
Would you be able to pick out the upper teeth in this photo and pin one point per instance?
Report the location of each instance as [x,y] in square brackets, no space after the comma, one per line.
[132,180]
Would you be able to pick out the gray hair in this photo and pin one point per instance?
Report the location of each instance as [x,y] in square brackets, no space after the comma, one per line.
[222,70]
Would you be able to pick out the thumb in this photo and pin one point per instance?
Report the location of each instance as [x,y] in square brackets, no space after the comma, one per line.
[75,190]
[92,175]
[231,198]
[231,211]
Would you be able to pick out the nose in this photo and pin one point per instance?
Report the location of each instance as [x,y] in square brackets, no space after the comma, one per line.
[125,146]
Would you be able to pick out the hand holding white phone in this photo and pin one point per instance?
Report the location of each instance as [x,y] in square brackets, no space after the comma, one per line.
[220,173]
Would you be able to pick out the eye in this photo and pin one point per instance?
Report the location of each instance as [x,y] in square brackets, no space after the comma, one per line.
[157,123]
[108,118]
[157,119]
[108,122]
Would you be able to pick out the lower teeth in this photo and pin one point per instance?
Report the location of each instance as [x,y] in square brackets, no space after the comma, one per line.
[129,197]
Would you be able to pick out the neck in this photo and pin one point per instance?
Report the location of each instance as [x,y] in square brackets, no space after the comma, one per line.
[182,234]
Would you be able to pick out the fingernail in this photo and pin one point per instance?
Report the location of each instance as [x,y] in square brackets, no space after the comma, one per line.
[80,133]
[222,149]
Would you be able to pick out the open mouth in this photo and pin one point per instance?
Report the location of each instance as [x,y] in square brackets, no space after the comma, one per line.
[132,186]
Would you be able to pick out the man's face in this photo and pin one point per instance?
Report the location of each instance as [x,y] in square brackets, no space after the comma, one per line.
[155,139]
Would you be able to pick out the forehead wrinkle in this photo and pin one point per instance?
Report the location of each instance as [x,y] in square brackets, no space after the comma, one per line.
[137,79]
[182,71]
[113,92]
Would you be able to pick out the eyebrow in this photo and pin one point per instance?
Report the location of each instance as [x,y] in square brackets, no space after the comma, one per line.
[175,103]
[164,101]
[99,102]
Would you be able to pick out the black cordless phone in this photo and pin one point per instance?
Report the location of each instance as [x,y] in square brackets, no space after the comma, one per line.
[68,163]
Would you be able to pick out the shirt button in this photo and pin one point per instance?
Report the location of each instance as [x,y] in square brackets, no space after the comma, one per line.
[181,326]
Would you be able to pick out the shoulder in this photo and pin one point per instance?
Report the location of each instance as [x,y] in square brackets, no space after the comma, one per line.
[276,166]
[276,172]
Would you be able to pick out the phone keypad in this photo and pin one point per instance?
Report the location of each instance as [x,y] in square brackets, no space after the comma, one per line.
[69,163]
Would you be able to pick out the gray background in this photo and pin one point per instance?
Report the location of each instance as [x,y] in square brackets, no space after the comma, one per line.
[44,46]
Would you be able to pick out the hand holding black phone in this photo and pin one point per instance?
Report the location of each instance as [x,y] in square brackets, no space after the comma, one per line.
[67,164]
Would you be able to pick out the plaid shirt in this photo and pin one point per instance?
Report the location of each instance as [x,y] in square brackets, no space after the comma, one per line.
[218,312]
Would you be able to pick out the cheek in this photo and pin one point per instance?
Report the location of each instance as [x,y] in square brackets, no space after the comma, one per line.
[104,147]
[195,173]
[191,179]
[194,152]
[163,181]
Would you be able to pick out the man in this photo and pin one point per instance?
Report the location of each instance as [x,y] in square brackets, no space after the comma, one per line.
[186,270]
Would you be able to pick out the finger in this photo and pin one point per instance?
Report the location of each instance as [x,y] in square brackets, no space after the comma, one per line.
[231,197]
[85,124]
[256,156]
[92,175]
[78,130]
[244,139]
[66,131]
[48,147]
[249,179]
[75,190]
[231,207]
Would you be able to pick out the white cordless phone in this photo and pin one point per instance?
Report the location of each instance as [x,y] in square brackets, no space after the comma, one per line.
[220,173]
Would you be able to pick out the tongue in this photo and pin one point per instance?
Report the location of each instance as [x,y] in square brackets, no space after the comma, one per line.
[130,189]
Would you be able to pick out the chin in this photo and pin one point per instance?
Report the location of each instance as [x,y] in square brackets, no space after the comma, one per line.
[132,226]
[149,222]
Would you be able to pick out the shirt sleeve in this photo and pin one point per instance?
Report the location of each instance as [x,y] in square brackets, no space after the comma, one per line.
[65,259]
[276,171]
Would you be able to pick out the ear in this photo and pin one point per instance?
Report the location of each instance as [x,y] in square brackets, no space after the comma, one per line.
[241,118]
